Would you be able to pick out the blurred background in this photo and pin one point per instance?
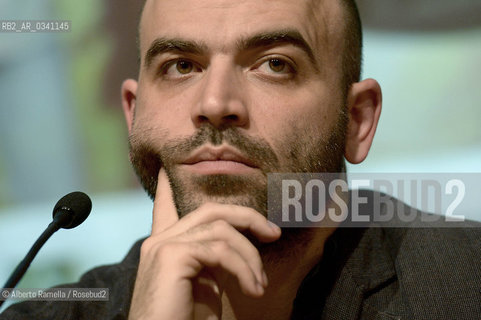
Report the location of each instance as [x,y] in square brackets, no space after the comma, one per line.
[62,128]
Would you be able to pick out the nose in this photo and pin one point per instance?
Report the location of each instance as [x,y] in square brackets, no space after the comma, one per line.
[222,100]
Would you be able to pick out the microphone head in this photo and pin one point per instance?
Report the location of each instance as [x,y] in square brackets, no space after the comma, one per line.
[77,205]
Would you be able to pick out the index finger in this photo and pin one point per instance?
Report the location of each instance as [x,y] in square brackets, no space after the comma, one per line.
[164,212]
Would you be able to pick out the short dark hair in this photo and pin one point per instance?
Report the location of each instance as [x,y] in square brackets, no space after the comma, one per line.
[352,46]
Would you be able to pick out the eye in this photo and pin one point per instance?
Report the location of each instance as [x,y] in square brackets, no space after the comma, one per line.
[178,68]
[184,67]
[277,67]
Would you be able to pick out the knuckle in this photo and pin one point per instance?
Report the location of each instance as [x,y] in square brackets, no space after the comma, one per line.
[219,226]
[254,252]
[256,215]
[220,247]
[159,250]
[254,258]
[147,245]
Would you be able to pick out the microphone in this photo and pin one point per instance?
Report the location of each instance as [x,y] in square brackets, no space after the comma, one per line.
[69,212]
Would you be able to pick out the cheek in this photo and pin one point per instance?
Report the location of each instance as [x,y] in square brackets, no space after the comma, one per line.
[163,113]
[302,115]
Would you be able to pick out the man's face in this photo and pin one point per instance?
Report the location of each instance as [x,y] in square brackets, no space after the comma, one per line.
[231,90]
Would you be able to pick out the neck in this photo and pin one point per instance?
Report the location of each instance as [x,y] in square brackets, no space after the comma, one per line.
[286,263]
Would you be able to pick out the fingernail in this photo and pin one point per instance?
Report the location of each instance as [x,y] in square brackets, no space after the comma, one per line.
[260,288]
[265,281]
[273,226]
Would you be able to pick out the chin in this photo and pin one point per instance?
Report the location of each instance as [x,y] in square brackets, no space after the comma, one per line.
[191,193]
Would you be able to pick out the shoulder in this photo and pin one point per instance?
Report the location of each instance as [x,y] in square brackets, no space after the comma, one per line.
[427,240]
[436,262]
[118,279]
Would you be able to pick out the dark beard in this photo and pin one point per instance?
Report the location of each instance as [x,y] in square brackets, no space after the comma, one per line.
[302,153]
[219,188]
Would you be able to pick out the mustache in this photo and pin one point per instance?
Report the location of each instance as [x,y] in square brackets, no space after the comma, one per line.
[148,157]
[255,149]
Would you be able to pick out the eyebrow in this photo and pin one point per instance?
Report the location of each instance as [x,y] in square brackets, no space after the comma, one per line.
[260,40]
[162,45]
[267,39]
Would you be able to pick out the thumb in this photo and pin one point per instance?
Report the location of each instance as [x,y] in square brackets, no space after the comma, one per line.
[164,212]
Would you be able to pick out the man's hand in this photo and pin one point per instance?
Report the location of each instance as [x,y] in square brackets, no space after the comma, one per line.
[185,263]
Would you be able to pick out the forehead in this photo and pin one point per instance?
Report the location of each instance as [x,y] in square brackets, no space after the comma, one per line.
[219,23]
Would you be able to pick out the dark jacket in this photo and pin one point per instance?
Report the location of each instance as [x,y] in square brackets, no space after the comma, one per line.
[417,271]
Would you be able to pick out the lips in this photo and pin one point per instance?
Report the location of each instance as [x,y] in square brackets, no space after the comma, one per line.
[221,154]
[222,160]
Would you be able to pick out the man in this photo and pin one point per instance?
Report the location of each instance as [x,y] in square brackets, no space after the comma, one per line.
[220,110]
[229,91]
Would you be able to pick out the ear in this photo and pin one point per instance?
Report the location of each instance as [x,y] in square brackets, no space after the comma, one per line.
[129,96]
[364,106]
